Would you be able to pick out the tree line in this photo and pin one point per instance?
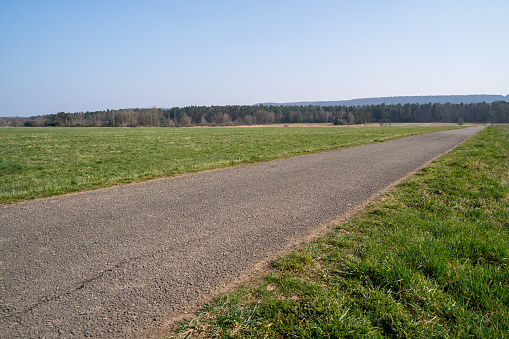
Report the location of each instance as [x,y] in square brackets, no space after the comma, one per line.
[496,112]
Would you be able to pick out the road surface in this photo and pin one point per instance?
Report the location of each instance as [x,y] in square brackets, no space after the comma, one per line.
[122,261]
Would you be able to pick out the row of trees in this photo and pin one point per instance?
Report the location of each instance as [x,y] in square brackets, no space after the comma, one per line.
[497,112]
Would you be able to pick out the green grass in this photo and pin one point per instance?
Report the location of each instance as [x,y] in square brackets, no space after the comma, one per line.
[427,260]
[41,162]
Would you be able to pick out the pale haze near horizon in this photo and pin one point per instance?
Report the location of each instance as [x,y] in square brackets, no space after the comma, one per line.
[74,56]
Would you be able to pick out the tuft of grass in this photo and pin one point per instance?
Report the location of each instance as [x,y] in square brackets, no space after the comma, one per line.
[41,162]
[428,259]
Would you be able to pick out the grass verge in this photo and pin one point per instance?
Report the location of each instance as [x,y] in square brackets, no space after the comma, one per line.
[41,162]
[427,260]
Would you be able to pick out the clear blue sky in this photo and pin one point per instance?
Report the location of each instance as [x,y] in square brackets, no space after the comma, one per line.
[75,55]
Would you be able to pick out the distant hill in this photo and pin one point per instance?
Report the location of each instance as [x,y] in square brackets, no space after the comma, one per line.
[424,99]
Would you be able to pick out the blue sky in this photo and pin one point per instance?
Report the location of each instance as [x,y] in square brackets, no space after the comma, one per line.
[91,55]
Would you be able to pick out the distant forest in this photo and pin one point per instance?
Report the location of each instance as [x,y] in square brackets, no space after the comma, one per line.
[496,112]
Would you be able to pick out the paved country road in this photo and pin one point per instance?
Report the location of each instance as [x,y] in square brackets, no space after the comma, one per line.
[122,261]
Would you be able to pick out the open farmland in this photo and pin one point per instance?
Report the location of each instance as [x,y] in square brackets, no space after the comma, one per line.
[41,162]
[120,261]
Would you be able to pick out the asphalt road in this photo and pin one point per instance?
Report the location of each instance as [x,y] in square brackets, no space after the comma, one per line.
[121,262]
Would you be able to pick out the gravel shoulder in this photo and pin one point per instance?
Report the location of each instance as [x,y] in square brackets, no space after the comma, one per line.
[123,261]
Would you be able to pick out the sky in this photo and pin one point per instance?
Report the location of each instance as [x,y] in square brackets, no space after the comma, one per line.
[78,56]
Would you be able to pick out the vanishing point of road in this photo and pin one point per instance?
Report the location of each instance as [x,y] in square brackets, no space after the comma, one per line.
[124,261]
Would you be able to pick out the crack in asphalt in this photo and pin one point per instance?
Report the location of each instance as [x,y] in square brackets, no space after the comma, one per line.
[82,285]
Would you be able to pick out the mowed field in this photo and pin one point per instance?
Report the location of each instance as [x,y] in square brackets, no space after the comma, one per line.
[41,162]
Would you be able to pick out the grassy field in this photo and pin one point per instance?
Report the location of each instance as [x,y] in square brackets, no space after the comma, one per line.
[427,260]
[41,162]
